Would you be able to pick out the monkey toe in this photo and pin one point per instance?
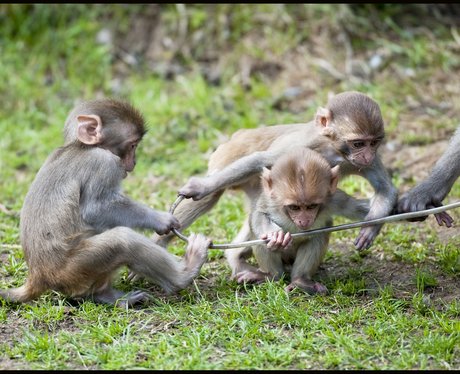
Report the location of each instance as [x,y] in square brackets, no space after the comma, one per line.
[308,286]
[132,298]
[133,277]
[198,246]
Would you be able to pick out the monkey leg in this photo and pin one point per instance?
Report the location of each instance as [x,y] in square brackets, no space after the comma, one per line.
[270,267]
[309,256]
[236,257]
[187,212]
[92,264]
[110,295]
[269,262]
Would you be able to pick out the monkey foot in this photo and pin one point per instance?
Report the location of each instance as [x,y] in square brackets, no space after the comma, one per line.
[131,298]
[251,276]
[197,251]
[308,286]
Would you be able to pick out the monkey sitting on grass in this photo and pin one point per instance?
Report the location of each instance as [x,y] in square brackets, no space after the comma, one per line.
[76,224]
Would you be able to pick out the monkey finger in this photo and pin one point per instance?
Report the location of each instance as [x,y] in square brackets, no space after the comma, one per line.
[271,237]
[133,277]
[176,224]
[404,204]
[444,218]
[279,238]
[287,240]
[276,240]
[363,242]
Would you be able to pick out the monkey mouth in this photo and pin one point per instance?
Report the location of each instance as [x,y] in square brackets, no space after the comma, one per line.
[359,165]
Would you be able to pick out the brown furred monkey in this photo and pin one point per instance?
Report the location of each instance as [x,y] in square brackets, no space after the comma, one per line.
[298,193]
[76,225]
[347,133]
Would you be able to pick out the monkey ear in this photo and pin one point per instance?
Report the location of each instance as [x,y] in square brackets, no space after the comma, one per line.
[89,129]
[335,178]
[267,180]
[323,117]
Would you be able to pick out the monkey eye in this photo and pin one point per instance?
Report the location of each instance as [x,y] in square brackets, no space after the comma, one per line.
[312,206]
[375,143]
[293,207]
[357,144]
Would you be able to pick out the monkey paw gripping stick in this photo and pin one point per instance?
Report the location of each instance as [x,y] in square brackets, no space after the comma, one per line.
[371,222]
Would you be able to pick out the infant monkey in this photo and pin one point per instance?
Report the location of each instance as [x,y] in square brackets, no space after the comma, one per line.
[76,224]
[347,132]
[298,193]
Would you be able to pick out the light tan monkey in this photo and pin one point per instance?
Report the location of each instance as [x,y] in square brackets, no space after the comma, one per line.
[347,133]
[298,193]
[76,224]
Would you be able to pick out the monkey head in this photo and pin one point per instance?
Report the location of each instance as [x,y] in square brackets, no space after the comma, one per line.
[299,184]
[109,124]
[354,123]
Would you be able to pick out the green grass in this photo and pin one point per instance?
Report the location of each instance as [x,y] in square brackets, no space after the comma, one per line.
[395,306]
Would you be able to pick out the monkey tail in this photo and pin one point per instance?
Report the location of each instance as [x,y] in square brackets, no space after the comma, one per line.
[22,294]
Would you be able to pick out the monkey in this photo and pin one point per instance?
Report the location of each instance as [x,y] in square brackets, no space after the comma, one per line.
[347,132]
[77,226]
[298,193]
[430,192]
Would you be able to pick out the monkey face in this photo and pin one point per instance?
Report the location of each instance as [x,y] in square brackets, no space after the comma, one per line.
[303,216]
[128,158]
[361,152]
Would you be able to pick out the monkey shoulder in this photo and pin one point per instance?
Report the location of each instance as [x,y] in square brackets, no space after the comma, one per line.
[69,170]
[97,164]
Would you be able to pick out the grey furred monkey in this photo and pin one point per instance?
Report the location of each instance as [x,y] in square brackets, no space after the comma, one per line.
[76,225]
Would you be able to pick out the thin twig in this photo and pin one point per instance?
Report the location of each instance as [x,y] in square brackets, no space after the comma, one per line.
[371,222]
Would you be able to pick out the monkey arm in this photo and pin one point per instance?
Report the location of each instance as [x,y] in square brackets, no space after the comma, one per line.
[381,204]
[431,191]
[119,210]
[386,195]
[233,174]
[347,206]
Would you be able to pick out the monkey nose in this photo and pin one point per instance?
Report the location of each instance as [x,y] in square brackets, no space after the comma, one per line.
[303,225]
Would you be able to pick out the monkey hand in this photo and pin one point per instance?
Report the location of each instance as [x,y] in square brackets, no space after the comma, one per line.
[165,222]
[195,188]
[366,237]
[444,219]
[413,201]
[277,240]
